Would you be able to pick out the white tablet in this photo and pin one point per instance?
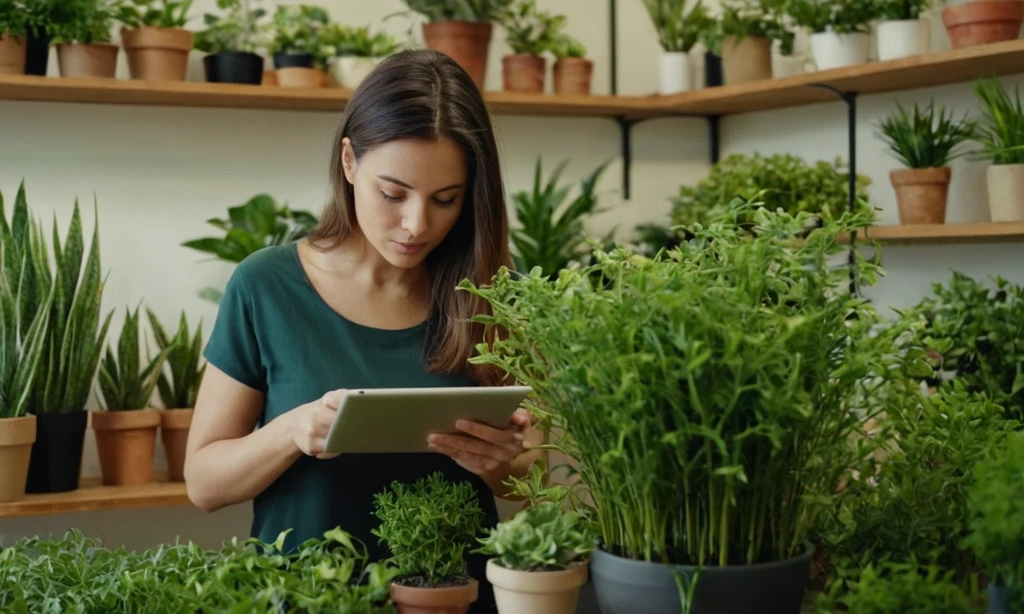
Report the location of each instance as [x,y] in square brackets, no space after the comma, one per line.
[393,420]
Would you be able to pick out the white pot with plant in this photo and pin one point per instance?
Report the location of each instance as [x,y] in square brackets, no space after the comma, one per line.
[530,33]
[839,30]
[82,33]
[232,42]
[155,38]
[786,60]
[1001,136]
[678,30]
[901,31]
[356,52]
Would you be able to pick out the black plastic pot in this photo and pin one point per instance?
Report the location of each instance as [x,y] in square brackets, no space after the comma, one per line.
[56,462]
[293,60]
[712,70]
[234,67]
[37,53]
[639,587]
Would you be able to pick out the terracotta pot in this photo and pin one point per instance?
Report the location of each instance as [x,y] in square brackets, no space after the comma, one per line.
[92,60]
[573,76]
[537,592]
[921,194]
[1006,192]
[174,425]
[12,54]
[465,42]
[157,54]
[126,443]
[446,600]
[983,22]
[523,73]
[16,438]
[295,76]
[270,78]
[748,60]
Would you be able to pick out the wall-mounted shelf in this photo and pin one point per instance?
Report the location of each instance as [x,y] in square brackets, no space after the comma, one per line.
[92,496]
[966,232]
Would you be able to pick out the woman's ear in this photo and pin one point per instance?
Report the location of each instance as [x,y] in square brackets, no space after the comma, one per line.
[348,160]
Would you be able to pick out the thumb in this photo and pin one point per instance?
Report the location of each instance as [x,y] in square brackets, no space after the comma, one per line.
[522,418]
[333,398]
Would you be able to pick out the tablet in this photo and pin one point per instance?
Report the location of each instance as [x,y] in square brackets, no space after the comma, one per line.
[399,420]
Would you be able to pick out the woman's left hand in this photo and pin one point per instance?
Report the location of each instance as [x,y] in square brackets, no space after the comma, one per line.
[484,450]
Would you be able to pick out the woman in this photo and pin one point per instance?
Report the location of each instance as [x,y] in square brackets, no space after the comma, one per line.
[367,300]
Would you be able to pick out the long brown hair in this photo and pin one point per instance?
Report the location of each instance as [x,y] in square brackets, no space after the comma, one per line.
[423,94]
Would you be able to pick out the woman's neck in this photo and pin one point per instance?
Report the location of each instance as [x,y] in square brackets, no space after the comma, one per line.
[355,259]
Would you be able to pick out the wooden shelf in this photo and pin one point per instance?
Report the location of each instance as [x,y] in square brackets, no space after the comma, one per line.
[969,232]
[92,496]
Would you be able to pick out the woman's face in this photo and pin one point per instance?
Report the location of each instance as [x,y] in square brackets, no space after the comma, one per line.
[408,195]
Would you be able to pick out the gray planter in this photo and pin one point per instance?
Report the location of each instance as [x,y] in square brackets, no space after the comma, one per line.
[638,587]
[998,601]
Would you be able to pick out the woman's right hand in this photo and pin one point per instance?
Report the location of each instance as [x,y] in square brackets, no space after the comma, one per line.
[311,422]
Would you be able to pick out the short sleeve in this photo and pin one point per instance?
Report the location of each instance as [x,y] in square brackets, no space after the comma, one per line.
[233,346]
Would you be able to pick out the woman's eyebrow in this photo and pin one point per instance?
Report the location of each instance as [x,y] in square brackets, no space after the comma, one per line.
[406,185]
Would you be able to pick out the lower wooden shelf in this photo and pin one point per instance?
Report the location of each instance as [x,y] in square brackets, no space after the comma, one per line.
[966,232]
[93,496]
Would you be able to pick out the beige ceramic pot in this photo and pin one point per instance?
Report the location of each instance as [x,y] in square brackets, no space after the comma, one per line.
[921,194]
[300,77]
[157,54]
[92,60]
[748,60]
[1006,192]
[12,54]
[537,592]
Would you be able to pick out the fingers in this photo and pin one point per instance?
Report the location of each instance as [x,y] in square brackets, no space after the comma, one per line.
[501,437]
[474,463]
[332,399]
[523,418]
[470,445]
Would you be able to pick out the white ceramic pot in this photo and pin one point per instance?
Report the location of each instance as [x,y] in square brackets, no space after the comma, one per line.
[903,39]
[349,71]
[833,50]
[788,65]
[536,592]
[1006,192]
[674,73]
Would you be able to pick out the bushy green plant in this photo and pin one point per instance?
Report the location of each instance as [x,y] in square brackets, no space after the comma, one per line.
[899,10]
[125,382]
[85,21]
[184,361]
[238,29]
[678,29]
[567,46]
[1001,129]
[344,40]
[428,526]
[706,395]
[542,537]
[155,13]
[743,18]
[13,19]
[838,16]
[997,518]
[904,588]
[529,30]
[920,139]
[21,340]
[298,29]
[459,10]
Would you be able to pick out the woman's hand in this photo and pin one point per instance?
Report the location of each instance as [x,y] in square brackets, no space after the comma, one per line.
[484,450]
[311,422]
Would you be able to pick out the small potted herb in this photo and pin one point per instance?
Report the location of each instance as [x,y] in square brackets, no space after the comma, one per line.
[573,72]
[925,141]
[839,30]
[300,56]
[428,526]
[678,30]
[1001,136]
[356,52]
[982,22]
[531,33]
[155,38]
[231,42]
[746,30]
[83,35]
[126,429]
[13,37]
[901,32]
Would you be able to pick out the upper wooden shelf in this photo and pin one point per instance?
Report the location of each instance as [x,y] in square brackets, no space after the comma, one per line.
[967,232]
[92,496]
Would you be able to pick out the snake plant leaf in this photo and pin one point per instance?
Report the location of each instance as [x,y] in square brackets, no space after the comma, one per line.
[22,351]
[125,383]
[181,389]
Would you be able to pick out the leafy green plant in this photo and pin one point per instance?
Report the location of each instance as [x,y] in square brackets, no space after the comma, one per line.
[298,30]
[529,30]
[428,526]
[542,537]
[239,29]
[184,360]
[707,404]
[155,13]
[344,40]
[566,46]
[903,588]
[548,237]
[838,16]
[743,18]
[459,10]
[13,18]
[997,518]
[21,341]
[900,10]
[1001,129]
[678,29]
[920,139]
[85,21]
[125,383]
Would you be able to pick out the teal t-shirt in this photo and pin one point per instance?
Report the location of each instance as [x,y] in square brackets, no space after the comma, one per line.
[275,333]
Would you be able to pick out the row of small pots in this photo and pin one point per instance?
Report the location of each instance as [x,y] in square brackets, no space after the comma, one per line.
[922,193]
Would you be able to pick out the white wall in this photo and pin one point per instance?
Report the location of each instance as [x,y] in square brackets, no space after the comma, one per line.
[157,174]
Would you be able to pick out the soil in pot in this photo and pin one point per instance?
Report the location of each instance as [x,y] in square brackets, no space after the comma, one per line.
[56,464]
[157,54]
[126,443]
[295,76]
[523,73]
[767,588]
[746,60]
[465,42]
[454,599]
[1006,192]
[174,425]
[921,194]
[37,56]
[983,22]
[13,50]
[573,76]
[16,437]
[92,60]
[537,592]
[234,67]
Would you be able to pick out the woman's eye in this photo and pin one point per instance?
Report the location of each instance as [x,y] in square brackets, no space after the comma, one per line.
[390,198]
[443,201]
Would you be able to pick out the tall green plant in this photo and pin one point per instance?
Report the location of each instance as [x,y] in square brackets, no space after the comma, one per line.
[1001,129]
[184,361]
[678,29]
[238,29]
[155,13]
[921,139]
[531,31]
[21,341]
[125,382]
[459,10]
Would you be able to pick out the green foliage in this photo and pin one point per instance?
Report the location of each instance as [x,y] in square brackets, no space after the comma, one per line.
[237,29]
[298,29]
[551,236]
[21,341]
[919,139]
[1001,129]
[13,18]
[459,10]
[743,18]
[997,518]
[706,402]
[85,21]
[899,10]
[904,588]
[184,361]
[839,16]
[542,537]
[678,29]
[74,337]
[531,31]
[428,526]
[341,40]
[568,47]
[76,574]
[155,13]
[125,383]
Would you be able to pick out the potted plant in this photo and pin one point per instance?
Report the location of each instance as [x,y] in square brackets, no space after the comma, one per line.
[839,30]
[126,428]
[231,42]
[1001,135]
[925,141]
[356,52]
[300,56]
[678,31]
[572,72]
[982,22]
[155,39]
[83,35]
[13,42]
[179,391]
[745,31]
[461,30]
[428,526]
[41,18]
[530,33]
[901,32]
